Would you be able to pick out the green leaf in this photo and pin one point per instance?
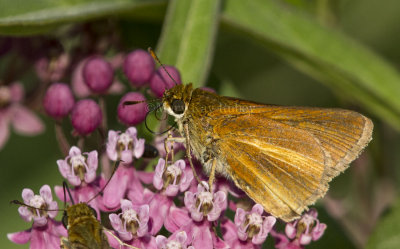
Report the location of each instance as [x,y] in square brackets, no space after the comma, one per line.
[21,17]
[329,56]
[387,232]
[188,38]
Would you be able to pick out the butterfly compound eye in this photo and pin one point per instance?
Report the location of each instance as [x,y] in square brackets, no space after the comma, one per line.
[178,106]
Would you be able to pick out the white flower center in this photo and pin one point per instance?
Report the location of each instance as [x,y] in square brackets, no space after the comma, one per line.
[173,245]
[77,161]
[124,139]
[255,219]
[37,201]
[130,215]
[205,197]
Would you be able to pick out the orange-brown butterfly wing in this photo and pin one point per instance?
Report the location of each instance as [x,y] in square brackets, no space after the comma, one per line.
[284,157]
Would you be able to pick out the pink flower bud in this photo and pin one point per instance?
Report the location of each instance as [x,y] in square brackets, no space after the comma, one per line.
[98,74]
[160,81]
[132,114]
[139,67]
[58,100]
[86,116]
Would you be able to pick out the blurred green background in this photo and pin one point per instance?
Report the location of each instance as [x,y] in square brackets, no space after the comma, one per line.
[326,53]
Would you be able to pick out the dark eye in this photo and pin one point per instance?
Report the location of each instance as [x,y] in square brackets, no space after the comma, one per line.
[64,220]
[93,211]
[178,106]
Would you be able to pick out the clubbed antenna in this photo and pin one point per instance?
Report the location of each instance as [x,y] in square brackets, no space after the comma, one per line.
[153,54]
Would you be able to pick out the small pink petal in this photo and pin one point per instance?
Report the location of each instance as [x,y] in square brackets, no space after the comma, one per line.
[132,132]
[257,208]
[172,190]
[25,214]
[25,121]
[74,151]
[115,222]
[126,156]
[305,239]
[186,180]
[39,221]
[53,206]
[64,168]
[126,205]
[27,195]
[239,217]
[45,193]
[90,176]
[161,241]
[181,237]
[318,231]
[92,160]
[74,180]
[22,237]
[139,148]
[189,199]
[158,182]
[290,230]
[144,213]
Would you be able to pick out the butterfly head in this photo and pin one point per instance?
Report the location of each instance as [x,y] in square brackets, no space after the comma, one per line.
[176,100]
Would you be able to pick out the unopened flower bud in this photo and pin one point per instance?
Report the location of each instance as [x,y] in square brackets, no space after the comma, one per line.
[86,116]
[132,114]
[139,67]
[160,81]
[58,100]
[98,74]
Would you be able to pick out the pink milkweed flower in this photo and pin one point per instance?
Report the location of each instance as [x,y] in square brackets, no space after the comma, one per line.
[176,240]
[204,203]
[252,225]
[42,201]
[45,232]
[173,178]
[124,146]
[199,234]
[131,223]
[230,235]
[306,229]
[79,167]
[24,121]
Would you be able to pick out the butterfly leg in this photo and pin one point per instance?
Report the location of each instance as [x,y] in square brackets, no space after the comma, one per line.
[167,148]
[188,154]
[212,174]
